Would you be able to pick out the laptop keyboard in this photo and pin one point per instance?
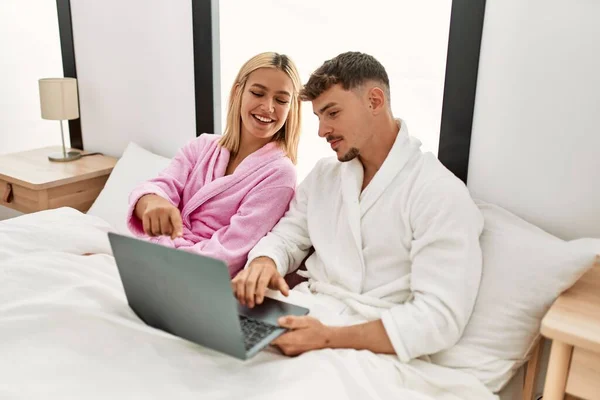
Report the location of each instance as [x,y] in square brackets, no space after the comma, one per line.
[254,331]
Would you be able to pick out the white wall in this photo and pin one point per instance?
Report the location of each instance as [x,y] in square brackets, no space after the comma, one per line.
[136,78]
[135,66]
[216,66]
[535,146]
[535,141]
[410,38]
[30,50]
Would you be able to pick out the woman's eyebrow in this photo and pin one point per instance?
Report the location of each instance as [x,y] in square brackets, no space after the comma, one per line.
[258,85]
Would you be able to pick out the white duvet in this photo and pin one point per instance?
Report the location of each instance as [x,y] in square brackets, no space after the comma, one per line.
[66,332]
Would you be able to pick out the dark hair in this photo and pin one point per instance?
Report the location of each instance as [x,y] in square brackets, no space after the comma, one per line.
[280,61]
[350,69]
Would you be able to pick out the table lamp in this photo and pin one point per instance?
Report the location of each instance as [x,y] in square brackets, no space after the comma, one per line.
[59,102]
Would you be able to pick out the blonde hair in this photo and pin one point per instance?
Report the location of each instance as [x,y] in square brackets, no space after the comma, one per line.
[289,135]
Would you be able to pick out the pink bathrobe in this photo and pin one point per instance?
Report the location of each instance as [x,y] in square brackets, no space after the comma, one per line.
[223,216]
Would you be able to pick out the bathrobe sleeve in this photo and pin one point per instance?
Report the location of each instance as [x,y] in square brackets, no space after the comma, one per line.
[257,214]
[168,184]
[446,271]
[288,243]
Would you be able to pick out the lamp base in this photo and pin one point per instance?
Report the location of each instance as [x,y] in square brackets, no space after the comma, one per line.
[60,157]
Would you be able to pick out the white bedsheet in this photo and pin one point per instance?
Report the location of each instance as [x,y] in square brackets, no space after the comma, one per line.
[66,332]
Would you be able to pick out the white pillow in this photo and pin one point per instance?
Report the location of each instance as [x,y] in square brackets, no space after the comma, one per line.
[524,271]
[135,166]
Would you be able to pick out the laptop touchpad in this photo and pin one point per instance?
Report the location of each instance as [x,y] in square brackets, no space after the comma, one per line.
[270,310]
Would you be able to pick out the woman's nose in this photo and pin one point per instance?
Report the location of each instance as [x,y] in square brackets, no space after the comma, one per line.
[269,105]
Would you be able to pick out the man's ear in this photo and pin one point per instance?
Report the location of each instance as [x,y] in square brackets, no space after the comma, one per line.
[376,99]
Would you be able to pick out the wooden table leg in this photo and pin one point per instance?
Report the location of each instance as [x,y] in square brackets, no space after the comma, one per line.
[533,367]
[558,370]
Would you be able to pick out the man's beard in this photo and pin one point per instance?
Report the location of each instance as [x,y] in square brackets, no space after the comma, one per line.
[350,155]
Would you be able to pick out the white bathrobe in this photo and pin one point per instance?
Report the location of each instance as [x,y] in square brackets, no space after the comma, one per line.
[405,250]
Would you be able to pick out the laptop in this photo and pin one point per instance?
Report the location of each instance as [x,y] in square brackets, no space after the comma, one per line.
[190,296]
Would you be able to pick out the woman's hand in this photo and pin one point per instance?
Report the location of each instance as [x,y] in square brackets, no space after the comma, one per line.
[159,217]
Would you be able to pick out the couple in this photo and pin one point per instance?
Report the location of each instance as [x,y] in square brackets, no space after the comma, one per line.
[395,234]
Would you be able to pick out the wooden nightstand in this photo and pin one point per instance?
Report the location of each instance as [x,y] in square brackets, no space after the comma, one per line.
[29,182]
[573,324]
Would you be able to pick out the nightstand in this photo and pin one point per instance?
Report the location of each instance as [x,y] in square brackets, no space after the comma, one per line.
[573,324]
[29,182]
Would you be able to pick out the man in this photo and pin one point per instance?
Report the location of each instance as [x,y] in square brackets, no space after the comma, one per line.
[395,234]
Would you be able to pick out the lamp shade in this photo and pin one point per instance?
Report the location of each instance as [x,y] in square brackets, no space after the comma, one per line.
[58,98]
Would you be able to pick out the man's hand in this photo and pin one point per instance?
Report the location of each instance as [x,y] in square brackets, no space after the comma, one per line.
[306,333]
[250,284]
[159,217]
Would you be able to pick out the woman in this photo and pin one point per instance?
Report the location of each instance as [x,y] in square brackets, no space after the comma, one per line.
[221,194]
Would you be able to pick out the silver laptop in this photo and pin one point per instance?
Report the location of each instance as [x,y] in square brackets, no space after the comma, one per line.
[190,296]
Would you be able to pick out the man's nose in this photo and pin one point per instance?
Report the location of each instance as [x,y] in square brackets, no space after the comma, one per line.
[324,129]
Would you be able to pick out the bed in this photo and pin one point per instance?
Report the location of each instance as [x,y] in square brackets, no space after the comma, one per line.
[66,330]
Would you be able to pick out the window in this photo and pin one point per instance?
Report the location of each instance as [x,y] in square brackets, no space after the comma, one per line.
[409,38]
